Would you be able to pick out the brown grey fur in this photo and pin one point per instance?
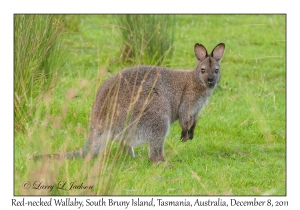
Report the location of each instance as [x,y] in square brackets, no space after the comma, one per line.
[139,104]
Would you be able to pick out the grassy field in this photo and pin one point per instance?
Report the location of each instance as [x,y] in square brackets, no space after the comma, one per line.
[239,147]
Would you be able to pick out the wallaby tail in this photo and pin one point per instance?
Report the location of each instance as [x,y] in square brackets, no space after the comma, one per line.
[81,153]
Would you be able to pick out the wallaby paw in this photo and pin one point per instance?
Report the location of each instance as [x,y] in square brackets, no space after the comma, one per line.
[154,164]
[191,135]
[184,139]
[157,159]
[185,135]
[157,162]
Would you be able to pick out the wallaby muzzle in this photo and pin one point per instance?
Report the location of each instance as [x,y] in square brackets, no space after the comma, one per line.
[211,82]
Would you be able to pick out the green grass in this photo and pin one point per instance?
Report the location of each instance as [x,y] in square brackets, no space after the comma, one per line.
[148,39]
[239,147]
[38,58]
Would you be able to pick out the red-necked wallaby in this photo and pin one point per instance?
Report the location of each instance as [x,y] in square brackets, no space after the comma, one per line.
[138,105]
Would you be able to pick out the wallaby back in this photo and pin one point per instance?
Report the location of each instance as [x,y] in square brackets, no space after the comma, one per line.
[138,105]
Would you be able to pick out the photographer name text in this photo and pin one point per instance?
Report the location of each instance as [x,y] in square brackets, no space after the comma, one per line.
[62,185]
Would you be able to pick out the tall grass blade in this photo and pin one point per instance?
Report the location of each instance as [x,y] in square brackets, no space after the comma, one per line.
[148,39]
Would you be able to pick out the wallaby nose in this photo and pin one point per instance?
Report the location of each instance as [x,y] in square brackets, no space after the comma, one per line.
[210,81]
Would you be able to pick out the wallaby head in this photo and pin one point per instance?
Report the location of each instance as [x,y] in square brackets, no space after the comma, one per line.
[207,70]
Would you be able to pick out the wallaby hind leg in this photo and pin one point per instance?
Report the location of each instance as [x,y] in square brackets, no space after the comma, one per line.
[156,133]
[156,150]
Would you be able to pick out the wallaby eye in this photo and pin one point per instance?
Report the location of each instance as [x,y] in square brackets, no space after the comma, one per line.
[217,71]
[202,70]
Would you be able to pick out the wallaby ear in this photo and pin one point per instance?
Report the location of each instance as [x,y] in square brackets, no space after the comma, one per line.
[218,51]
[200,52]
